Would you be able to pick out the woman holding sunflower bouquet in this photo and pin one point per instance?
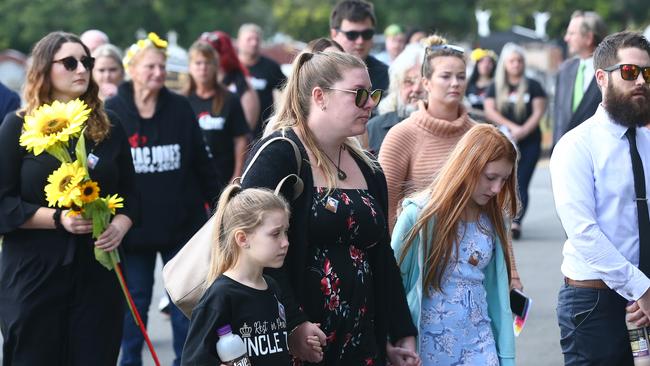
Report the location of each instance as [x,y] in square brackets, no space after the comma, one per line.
[58,305]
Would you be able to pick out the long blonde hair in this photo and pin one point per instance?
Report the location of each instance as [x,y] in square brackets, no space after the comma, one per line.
[501,81]
[310,70]
[238,209]
[451,192]
[38,87]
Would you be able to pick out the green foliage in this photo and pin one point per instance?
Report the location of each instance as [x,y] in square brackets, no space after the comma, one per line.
[25,22]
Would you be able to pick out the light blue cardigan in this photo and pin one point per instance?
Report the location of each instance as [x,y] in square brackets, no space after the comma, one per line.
[495,282]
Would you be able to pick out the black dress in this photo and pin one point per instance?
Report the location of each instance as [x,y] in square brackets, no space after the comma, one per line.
[58,305]
[343,225]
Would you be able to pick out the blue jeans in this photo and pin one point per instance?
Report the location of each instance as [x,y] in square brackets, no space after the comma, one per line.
[592,327]
[139,269]
[529,151]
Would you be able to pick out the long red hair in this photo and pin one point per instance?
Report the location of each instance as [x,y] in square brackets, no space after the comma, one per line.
[450,193]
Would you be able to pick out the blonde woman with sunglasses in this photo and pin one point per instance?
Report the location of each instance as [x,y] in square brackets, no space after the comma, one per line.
[58,305]
[340,280]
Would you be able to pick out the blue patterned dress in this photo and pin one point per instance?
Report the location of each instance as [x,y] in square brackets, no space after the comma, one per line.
[455,327]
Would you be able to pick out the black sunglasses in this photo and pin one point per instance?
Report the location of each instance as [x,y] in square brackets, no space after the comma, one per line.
[366,34]
[70,63]
[361,95]
[631,72]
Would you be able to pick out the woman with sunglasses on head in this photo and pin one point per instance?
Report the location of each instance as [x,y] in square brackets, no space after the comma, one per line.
[175,178]
[234,75]
[340,279]
[517,103]
[415,149]
[58,304]
[218,110]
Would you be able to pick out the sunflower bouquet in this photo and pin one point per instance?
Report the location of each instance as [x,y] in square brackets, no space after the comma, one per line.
[52,128]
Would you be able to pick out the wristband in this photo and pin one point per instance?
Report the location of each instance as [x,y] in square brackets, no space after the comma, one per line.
[57,219]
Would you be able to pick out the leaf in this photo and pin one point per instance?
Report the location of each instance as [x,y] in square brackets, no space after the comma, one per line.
[104,258]
[60,153]
[80,150]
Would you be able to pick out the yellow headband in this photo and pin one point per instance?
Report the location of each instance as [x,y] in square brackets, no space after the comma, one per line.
[479,53]
[152,40]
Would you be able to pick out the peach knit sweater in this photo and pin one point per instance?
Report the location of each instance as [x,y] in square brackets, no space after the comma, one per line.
[413,152]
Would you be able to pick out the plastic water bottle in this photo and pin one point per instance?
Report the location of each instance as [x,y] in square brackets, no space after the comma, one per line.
[639,343]
[231,348]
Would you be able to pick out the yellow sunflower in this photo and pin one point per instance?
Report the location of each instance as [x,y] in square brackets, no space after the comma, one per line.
[52,124]
[114,202]
[63,185]
[89,191]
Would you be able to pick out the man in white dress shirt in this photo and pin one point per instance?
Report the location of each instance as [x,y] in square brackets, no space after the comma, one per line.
[596,199]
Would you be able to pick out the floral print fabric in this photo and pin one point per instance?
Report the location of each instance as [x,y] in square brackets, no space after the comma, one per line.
[343,225]
[455,327]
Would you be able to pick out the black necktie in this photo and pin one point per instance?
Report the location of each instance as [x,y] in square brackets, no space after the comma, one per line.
[641,203]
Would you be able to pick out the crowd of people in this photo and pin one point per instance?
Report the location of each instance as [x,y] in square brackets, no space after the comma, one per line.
[392,244]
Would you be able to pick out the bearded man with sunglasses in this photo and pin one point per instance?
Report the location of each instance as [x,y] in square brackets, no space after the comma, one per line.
[600,173]
[352,25]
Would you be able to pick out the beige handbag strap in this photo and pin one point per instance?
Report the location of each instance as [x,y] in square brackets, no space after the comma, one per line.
[298,185]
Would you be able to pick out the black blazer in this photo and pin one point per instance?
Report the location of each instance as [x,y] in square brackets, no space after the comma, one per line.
[564,119]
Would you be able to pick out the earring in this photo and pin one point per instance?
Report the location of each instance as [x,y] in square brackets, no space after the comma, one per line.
[322,107]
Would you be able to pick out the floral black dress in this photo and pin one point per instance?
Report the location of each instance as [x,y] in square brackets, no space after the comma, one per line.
[343,225]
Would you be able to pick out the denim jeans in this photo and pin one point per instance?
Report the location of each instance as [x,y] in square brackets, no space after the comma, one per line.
[529,150]
[592,327]
[139,269]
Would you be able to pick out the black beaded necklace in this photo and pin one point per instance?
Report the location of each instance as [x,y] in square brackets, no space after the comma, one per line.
[339,172]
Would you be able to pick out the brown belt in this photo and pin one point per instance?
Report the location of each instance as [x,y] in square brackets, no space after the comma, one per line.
[597,284]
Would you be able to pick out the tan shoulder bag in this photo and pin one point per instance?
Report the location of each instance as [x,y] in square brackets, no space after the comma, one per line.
[184,276]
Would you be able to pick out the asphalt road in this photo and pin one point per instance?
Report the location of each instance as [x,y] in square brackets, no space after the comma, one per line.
[538,254]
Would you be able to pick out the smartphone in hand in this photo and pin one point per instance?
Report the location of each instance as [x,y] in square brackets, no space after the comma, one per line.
[519,303]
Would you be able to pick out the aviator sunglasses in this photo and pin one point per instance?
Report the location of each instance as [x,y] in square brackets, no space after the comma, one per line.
[361,95]
[631,72]
[366,34]
[70,63]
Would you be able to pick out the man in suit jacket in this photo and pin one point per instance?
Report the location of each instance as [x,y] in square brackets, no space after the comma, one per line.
[572,107]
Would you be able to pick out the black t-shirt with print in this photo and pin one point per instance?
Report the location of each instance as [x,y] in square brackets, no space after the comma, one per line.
[265,76]
[220,130]
[535,90]
[257,316]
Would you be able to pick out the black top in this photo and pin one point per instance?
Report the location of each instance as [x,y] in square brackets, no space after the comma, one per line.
[378,128]
[235,81]
[220,130]
[9,101]
[23,177]
[257,316]
[476,95]
[266,76]
[378,73]
[535,90]
[392,317]
[175,175]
